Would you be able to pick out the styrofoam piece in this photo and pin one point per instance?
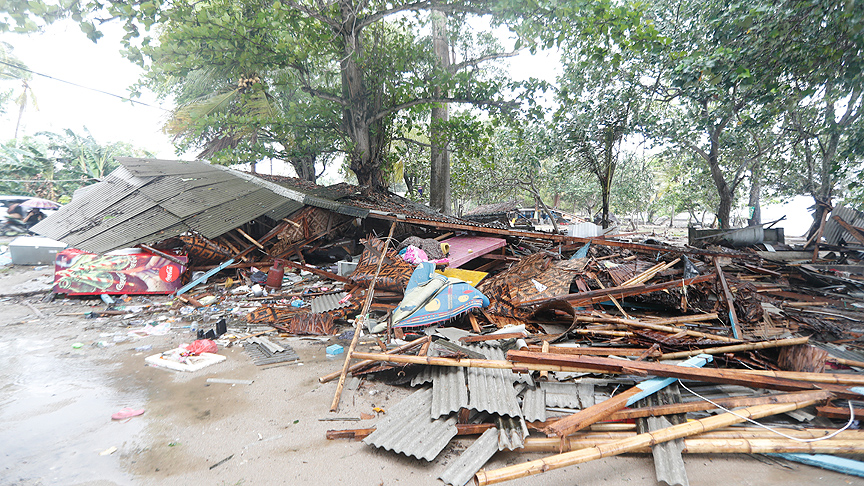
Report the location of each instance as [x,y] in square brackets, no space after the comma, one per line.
[193,363]
[34,250]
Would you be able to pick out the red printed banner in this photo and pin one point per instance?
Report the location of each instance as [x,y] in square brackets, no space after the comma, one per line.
[130,272]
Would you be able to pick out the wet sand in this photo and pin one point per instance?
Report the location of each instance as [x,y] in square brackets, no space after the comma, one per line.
[56,404]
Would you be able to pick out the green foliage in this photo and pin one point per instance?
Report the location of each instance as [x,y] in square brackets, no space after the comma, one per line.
[53,165]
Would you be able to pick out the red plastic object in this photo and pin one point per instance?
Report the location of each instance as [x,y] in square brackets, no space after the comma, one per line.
[201,346]
[274,276]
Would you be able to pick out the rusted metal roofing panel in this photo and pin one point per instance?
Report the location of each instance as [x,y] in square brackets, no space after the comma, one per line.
[472,459]
[534,404]
[568,395]
[407,428]
[491,390]
[329,302]
[834,232]
[449,391]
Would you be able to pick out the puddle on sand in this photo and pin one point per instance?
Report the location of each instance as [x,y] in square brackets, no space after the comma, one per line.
[55,416]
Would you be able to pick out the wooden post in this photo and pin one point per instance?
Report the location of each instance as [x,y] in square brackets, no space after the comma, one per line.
[358,324]
[639,441]
[733,317]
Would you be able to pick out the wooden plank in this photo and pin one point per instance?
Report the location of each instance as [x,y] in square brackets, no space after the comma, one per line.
[491,337]
[848,227]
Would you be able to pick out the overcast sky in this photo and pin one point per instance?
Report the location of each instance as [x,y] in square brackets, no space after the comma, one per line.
[63,52]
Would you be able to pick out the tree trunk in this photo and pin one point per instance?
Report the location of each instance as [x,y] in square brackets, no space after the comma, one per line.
[366,155]
[604,194]
[305,167]
[724,210]
[755,194]
[439,180]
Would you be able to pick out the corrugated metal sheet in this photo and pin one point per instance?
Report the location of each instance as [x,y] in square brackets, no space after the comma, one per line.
[148,200]
[449,391]
[472,459]
[426,374]
[491,390]
[329,302]
[407,428]
[511,433]
[568,395]
[534,404]
[834,232]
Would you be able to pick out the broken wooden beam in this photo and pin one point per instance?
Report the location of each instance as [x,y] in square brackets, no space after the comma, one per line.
[360,434]
[648,439]
[600,411]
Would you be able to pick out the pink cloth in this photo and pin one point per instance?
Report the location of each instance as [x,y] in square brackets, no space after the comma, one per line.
[414,255]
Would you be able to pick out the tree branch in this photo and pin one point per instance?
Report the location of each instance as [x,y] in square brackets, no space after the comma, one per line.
[420,101]
[375,17]
[314,14]
[324,95]
[474,62]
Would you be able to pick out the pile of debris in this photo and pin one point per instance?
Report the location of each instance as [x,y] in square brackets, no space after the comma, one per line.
[537,342]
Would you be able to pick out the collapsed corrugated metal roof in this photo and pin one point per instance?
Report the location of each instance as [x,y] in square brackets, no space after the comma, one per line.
[407,428]
[148,200]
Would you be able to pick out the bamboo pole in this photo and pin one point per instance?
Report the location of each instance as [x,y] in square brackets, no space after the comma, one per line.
[251,240]
[597,351]
[648,439]
[736,348]
[727,433]
[684,319]
[649,274]
[656,327]
[358,324]
[711,446]
[828,378]
[362,364]
[467,363]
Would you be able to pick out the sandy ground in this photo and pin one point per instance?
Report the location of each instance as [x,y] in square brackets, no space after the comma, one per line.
[56,403]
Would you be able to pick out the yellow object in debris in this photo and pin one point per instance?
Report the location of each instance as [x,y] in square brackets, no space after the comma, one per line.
[470,276]
[445,248]
[378,410]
